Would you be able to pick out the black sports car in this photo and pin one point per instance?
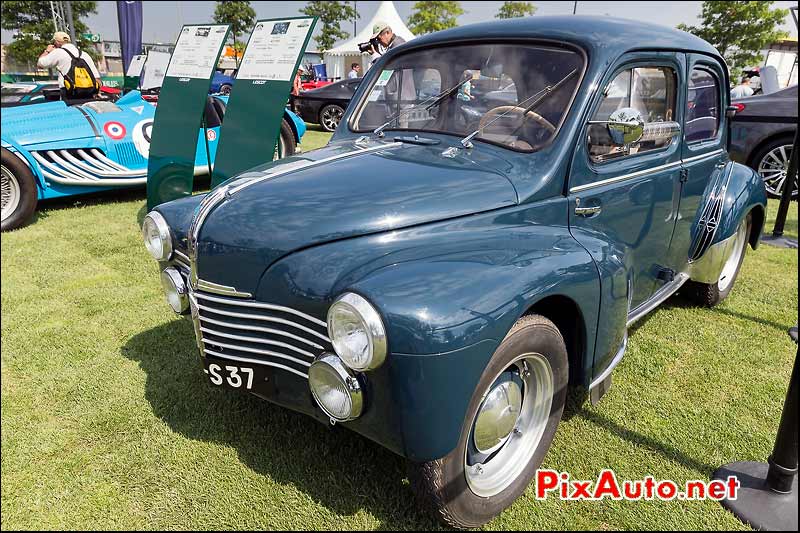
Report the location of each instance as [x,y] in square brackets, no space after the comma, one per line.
[325,106]
[761,135]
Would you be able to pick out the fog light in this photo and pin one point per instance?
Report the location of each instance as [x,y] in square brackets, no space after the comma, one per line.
[336,391]
[175,290]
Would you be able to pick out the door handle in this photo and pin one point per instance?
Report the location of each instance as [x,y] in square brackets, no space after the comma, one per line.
[588,211]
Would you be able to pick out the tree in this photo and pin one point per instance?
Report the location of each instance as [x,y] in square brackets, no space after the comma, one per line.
[510,10]
[739,30]
[331,15]
[429,17]
[239,15]
[32,23]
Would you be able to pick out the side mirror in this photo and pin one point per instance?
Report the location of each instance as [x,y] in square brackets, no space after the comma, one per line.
[626,126]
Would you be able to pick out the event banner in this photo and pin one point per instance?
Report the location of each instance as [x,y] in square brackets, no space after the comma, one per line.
[256,106]
[176,136]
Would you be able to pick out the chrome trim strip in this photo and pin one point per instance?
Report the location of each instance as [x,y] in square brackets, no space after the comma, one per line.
[703,156]
[612,365]
[257,351]
[113,164]
[216,288]
[255,361]
[181,255]
[265,319]
[644,172]
[256,340]
[219,194]
[248,327]
[664,292]
[270,307]
[624,177]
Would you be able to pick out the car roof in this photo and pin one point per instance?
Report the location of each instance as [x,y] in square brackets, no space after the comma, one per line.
[607,36]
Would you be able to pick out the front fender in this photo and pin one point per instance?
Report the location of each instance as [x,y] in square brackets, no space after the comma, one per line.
[24,155]
[447,293]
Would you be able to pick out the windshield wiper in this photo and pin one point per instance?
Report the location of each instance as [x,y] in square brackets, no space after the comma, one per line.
[537,98]
[427,104]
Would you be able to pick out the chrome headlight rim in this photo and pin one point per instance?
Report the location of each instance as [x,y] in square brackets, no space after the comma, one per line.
[373,327]
[165,250]
[343,373]
[172,280]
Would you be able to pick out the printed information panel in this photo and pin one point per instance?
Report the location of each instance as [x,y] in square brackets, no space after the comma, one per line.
[197,51]
[178,145]
[273,49]
[256,107]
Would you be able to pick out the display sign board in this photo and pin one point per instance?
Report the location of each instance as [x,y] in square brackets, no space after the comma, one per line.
[155,68]
[179,115]
[255,109]
[135,68]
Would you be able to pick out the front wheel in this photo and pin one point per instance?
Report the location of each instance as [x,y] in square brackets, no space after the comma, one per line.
[711,294]
[508,428]
[772,162]
[19,194]
[330,116]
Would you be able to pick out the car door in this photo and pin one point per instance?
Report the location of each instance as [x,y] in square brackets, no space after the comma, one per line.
[623,199]
[702,147]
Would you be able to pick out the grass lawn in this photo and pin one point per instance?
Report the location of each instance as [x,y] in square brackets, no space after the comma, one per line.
[108,422]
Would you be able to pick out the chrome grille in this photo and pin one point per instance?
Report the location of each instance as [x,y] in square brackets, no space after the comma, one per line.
[257,332]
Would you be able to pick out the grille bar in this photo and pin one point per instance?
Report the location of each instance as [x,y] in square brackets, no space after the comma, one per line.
[257,332]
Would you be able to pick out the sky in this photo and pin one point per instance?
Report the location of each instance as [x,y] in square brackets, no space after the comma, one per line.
[162,20]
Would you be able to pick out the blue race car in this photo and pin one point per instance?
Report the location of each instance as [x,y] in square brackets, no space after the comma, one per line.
[52,150]
[23,93]
[222,82]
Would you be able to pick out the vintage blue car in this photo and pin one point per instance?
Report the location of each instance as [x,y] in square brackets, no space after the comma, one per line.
[434,281]
[51,149]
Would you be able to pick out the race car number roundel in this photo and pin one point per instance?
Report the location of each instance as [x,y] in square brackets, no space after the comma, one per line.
[141,136]
[115,130]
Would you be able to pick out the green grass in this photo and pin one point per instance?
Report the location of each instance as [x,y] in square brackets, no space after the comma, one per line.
[108,422]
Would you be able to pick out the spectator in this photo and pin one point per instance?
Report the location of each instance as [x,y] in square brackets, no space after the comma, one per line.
[742,90]
[386,40]
[63,55]
[355,68]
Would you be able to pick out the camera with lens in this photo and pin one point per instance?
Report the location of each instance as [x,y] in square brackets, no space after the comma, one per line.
[372,44]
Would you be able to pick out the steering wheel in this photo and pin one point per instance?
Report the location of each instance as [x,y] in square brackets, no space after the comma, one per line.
[492,113]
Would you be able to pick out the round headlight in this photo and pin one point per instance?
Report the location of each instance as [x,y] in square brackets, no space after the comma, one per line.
[357,332]
[335,390]
[175,290]
[157,239]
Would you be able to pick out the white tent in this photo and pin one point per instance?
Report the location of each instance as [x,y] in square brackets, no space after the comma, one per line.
[338,59]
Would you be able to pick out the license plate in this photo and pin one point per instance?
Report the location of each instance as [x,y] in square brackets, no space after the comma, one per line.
[231,375]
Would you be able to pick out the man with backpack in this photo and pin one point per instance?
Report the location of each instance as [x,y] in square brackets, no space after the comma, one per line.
[78,77]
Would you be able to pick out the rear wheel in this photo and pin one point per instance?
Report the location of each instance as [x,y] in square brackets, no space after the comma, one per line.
[330,116]
[508,428]
[19,195]
[772,162]
[711,294]
[286,143]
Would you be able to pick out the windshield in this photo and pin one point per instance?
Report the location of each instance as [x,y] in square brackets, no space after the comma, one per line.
[460,89]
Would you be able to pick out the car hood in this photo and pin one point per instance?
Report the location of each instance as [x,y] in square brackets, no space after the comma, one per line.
[339,192]
[42,123]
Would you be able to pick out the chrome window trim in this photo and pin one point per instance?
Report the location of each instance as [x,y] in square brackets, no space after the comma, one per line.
[645,172]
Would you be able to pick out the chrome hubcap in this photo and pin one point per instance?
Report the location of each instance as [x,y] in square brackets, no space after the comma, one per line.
[774,168]
[731,264]
[280,150]
[509,425]
[331,117]
[10,192]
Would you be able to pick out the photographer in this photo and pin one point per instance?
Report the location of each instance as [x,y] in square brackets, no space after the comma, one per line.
[382,40]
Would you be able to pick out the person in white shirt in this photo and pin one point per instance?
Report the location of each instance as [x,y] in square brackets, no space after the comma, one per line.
[54,56]
[355,68]
[742,90]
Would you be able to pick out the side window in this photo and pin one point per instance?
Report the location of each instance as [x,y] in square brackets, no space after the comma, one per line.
[649,90]
[702,106]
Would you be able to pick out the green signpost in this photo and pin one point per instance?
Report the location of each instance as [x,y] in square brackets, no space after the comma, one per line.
[255,109]
[179,115]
